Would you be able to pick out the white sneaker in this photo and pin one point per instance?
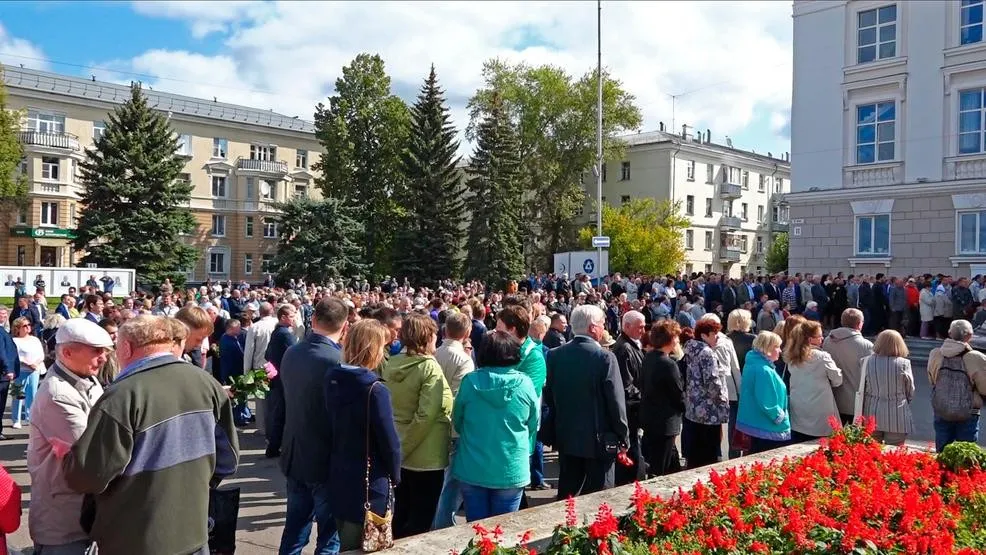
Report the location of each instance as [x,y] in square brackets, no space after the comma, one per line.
[17,425]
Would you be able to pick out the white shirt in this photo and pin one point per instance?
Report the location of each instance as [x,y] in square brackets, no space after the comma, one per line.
[257,339]
[30,351]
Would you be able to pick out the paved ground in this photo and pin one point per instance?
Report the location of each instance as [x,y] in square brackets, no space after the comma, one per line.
[262,485]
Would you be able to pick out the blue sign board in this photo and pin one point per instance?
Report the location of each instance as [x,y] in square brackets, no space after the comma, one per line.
[588,266]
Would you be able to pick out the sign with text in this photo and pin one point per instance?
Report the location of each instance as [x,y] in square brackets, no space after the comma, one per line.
[600,241]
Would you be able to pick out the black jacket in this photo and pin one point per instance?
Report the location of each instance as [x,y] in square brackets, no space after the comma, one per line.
[584,395]
[742,342]
[662,396]
[307,444]
[280,340]
[630,357]
[553,339]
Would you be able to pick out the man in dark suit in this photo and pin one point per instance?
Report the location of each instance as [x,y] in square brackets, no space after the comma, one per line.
[729,298]
[712,293]
[281,339]
[307,435]
[585,398]
[630,356]
[770,288]
[10,369]
[556,333]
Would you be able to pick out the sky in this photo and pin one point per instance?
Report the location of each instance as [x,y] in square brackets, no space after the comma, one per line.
[722,66]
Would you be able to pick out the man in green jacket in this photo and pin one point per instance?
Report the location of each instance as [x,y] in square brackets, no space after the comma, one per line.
[155,443]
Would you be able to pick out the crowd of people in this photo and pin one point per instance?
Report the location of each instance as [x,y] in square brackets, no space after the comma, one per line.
[426,402]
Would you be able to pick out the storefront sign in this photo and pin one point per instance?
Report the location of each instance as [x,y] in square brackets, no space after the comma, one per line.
[41,232]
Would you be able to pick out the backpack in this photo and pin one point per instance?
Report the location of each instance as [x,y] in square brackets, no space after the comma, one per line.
[952,394]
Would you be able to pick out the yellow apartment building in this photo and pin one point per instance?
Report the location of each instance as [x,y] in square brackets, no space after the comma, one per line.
[240,161]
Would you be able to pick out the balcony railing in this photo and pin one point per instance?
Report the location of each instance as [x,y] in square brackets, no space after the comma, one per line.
[779,227]
[729,254]
[730,190]
[730,222]
[278,167]
[58,140]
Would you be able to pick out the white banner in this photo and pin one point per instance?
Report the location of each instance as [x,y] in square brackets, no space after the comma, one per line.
[582,262]
[57,281]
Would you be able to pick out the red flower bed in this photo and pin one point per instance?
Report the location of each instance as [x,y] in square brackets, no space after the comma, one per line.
[849,496]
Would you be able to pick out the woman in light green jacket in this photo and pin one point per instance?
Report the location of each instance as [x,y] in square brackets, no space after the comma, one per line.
[422,403]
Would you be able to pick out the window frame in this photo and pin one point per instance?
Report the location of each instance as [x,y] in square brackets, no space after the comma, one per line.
[272,188]
[248,264]
[963,6]
[220,148]
[689,240]
[745,211]
[625,170]
[184,145]
[877,28]
[265,222]
[709,238]
[301,155]
[625,199]
[224,181]
[689,205]
[745,179]
[49,211]
[265,262]
[263,153]
[980,232]
[980,112]
[690,170]
[760,213]
[49,166]
[248,227]
[759,244]
[223,253]
[218,225]
[708,208]
[51,122]
[876,143]
[873,219]
[98,130]
[710,174]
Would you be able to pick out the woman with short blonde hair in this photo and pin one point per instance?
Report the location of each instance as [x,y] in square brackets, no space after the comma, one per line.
[813,376]
[888,388]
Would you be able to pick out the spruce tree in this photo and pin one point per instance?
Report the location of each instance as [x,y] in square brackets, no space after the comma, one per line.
[427,245]
[493,247]
[319,241]
[133,202]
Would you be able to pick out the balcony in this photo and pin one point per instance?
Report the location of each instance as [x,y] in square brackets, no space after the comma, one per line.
[730,191]
[873,175]
[277,168]
[729,254]
[730,222]
[779,226]
[55,141]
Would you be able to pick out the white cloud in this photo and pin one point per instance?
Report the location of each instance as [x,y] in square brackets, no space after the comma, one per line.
[15,51]
[728,62]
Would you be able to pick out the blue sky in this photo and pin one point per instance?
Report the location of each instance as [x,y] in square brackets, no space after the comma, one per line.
[728,63]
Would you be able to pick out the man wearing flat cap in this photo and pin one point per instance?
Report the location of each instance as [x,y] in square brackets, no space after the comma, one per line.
[58,418]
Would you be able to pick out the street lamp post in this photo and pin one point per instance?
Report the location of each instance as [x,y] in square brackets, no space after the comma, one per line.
[599,134]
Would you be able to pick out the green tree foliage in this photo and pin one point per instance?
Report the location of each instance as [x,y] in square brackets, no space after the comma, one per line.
[645,236]
[363,132]
[133,202]
[777,253]
[319,240]
[428,243]
[13,184]
[555,117]
[493,246]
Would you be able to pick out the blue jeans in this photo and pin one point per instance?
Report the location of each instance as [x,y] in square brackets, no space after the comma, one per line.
[29,380]
[448,503]
[946,432]
[486,502]
[241,414]
[307,503]
[537,464]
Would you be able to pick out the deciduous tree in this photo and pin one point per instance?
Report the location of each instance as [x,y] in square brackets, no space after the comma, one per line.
[133,204]
[777,253]
[645,236]
[13,183]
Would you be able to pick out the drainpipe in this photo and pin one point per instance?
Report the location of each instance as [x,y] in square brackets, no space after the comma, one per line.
[674,159]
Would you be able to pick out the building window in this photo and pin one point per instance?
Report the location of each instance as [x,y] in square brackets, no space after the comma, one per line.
[98,130]
[744,243]
[625,171]
[49,213]
[267,190]
[873,234]
[266,153]
[22,216]
[876,36]
[759,245]
[185,179]
[689,239]
[708,269]
[743,212]
[21,255]
[875,132]
[762,184]
[300,189]
[690,173]
[779,185]
[45,123]
[690,205]
[218,225]
[184,145]
[624,199]
[972,232]
[971,29]
[219,148]
[266,261]
[251,189]
[710,173]
[708,208]
[49,168]
[301,159]
[249,226]
[708,240]
[746,179]
[760,213]
[579,210]
[779,214]
[734,176]
[971,128]
[248,264]
[219,186]
[217,262]
[727,208]
[270,228]
[604,172]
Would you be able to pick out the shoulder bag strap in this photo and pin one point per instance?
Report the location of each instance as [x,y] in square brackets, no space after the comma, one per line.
[369,393]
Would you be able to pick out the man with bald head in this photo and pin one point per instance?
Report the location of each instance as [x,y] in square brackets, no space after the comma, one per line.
[630,356]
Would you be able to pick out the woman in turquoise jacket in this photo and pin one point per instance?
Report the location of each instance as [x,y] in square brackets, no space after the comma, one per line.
[496,415]
[763,412]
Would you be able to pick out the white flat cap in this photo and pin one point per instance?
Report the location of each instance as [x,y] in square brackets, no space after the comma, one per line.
[80,330]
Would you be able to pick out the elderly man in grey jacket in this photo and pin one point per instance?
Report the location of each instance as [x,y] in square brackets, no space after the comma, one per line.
[847,346]
[898,304]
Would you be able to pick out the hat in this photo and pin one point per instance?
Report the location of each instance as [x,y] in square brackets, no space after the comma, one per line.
[80,330]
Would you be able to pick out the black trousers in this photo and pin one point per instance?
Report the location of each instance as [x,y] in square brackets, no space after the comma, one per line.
[638,471]
[662,454]
[274,424]
[415,501]
[704,447]
[4,389]
[578,475]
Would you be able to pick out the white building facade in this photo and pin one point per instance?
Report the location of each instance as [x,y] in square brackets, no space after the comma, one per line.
[888,137]
[732,197]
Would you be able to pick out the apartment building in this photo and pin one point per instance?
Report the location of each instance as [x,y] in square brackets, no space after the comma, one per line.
[733,197]
[888,144]
[240,161]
